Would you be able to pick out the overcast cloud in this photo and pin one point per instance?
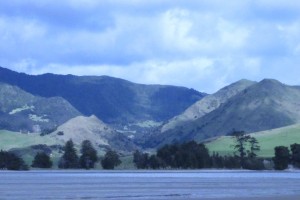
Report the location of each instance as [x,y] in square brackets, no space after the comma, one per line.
[203,44]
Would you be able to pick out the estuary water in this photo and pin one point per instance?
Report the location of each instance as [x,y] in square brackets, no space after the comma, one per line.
[150,185]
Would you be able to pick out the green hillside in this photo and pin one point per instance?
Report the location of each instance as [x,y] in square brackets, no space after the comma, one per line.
[24,146]
[267,139]
[10,140]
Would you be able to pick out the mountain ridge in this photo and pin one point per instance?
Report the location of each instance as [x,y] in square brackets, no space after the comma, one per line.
[265,105]
[22,111]
[208,104]
[113,100]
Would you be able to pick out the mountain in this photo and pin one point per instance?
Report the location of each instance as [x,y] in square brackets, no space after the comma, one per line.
[262,106]
[22,111]
[91,128]
[206,105]
[113,100]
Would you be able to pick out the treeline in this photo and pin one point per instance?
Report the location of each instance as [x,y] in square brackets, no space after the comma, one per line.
[88,157]
[69,160]
[191,155]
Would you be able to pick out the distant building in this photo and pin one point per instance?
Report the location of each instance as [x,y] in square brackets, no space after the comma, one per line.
[36,129]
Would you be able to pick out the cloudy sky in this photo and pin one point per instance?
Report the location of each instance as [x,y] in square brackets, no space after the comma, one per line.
[201,44]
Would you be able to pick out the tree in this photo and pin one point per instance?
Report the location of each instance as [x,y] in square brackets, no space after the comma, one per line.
[69,160]
[254,147]
[88,156]
[295,158]
[140,159]
[217,161]
[167,155]
[241,140]
[154,162]
[42,160]
[110,160]
[189,155]
[11,161]
[282,157]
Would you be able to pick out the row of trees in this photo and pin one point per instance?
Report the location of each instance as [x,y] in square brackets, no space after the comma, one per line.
[70,159]
[187,155]
[191,155]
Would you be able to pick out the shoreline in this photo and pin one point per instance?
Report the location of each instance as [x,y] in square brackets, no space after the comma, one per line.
[158,171]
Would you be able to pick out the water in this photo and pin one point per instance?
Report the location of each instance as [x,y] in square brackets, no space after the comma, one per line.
[150,185]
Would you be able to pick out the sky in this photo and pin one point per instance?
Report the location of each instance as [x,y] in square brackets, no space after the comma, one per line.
[200,44]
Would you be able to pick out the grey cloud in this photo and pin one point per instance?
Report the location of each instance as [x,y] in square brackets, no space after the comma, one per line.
[241,39]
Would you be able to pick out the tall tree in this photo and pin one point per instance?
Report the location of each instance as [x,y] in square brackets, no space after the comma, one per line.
[69,160]
[42,160]
[110,160]
[154,162]
[295,149]
[241,140]
[282,158]
[254,147]
[140,159]
[88,156]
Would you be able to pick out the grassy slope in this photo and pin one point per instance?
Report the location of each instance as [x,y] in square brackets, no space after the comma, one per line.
[267,139]
[13,140]
[10,140]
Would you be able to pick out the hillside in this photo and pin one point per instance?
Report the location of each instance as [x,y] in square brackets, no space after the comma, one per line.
[12,140]
[206,105]
[91,128]
[115,101]
[21,111]
[269,139]
[265,105]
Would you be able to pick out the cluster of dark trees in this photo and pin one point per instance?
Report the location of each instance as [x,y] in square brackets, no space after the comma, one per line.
[284,157]
[88,158]
[70,159]
[191,155]
[187,155]
[10,161]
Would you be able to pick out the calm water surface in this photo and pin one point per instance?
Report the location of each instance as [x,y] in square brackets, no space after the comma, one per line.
[150,185]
